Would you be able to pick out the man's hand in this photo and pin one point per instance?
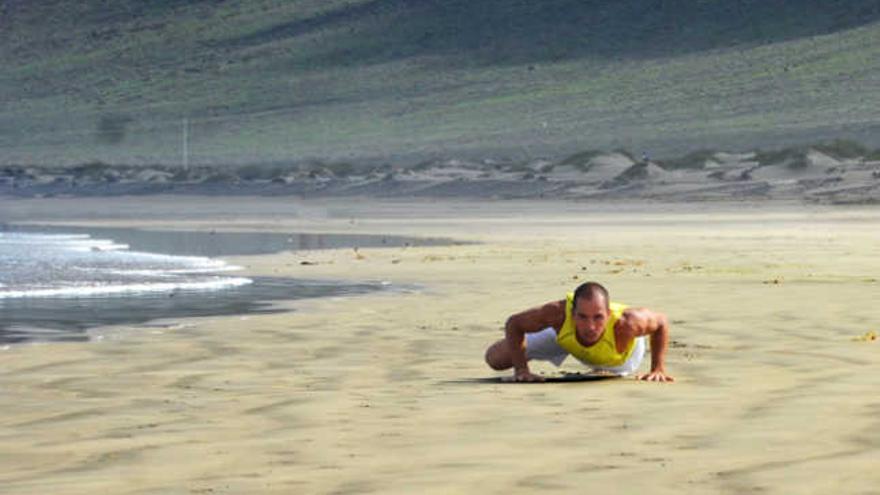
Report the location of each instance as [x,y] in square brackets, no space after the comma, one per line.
[527,377]
[656,376]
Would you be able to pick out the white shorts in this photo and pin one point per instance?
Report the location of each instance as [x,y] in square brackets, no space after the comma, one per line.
[542,346]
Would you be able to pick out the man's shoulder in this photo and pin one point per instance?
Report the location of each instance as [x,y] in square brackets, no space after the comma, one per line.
[553,307]
[635,314]
[554,313]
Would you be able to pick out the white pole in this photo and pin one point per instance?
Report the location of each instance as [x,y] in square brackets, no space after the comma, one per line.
[185,144]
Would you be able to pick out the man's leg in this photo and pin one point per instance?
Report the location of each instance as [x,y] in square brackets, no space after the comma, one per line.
[498,356]
[539,345]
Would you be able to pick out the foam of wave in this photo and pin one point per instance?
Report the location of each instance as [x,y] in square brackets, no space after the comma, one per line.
[168,273]
[73,242]
[87,291]
[76,265]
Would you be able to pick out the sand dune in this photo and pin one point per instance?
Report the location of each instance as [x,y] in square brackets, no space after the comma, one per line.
[836,173]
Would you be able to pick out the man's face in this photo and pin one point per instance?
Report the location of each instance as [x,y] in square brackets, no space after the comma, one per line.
[590,317]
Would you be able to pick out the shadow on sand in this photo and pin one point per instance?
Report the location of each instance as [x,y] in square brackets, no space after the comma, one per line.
[558,378]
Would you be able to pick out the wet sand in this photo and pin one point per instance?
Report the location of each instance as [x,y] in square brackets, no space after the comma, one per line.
[386,393]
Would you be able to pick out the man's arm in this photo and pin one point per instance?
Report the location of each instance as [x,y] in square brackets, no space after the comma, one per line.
[639,322]
[529,321]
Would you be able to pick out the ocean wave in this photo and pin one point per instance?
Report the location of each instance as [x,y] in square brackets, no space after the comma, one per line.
[104,290]
[72,242]
[77,265]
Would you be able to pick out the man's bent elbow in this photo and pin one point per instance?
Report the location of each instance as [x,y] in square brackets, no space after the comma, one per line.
[662,322]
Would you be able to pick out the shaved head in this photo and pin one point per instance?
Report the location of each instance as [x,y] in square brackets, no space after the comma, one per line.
[590,291]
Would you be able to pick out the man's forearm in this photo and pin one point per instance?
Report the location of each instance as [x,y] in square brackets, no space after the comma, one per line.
[659,343]
[514,338]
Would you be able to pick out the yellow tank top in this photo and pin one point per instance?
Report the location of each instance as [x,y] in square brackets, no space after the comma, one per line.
[604,351]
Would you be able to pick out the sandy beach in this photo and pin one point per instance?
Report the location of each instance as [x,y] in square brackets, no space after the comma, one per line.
[776,392]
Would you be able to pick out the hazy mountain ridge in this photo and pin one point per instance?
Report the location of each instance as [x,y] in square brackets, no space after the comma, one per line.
[407,80]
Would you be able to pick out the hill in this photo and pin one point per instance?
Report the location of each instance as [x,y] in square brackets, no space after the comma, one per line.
[838,172]
[404,80]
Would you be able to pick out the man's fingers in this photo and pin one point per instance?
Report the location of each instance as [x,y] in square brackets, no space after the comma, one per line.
[529,378]
[656,377]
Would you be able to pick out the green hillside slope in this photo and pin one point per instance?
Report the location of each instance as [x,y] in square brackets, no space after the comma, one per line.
[262,81]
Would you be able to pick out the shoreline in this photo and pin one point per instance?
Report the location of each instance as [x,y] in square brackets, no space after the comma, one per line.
[65,318]
[374,393]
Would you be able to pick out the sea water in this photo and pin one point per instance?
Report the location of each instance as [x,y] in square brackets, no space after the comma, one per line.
[61,283]
[39,265]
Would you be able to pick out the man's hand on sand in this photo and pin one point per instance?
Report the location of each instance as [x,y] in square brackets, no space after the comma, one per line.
[527,377]
[656,376]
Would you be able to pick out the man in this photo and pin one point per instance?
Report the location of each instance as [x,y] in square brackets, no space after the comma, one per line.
[604,335]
